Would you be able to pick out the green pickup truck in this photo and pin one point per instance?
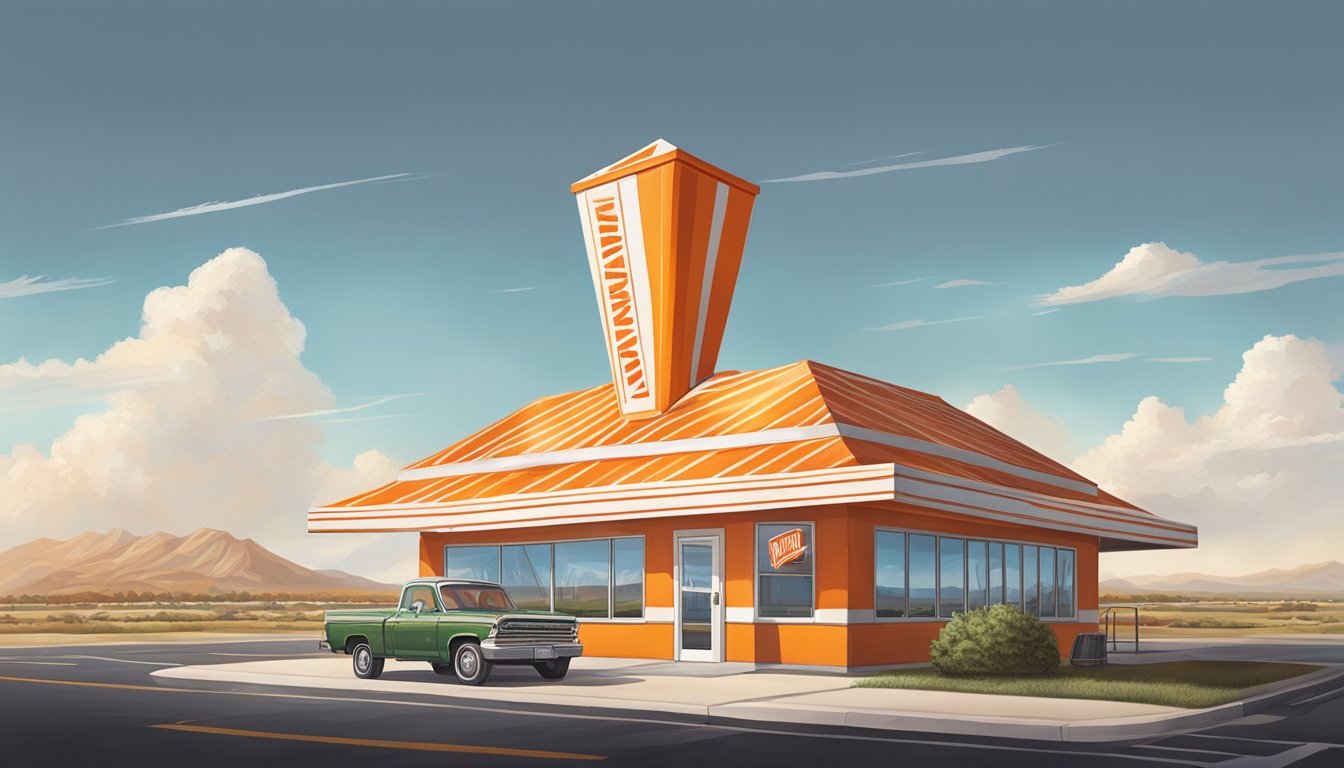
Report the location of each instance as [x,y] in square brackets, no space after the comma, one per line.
[460,627]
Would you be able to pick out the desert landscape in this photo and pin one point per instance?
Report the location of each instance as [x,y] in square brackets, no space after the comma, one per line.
[118,583]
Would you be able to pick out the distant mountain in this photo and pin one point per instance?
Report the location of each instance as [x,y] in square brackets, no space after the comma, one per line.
[1306,580]
[207,561]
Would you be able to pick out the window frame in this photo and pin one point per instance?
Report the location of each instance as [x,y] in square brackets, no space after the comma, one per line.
[811,618]
[611,565]
[938,579]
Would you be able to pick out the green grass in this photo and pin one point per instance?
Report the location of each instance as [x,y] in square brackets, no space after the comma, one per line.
[1190,684]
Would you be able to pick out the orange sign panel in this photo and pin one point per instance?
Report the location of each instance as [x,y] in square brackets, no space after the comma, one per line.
[786,548]
[665,232]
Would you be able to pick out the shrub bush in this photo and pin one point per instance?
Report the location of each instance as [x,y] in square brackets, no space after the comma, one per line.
[1001,640]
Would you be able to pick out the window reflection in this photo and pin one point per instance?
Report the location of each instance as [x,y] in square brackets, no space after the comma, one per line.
[951,577]
[923,575]
[889,559]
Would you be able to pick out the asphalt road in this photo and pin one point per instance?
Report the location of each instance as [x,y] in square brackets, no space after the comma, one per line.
[98,706]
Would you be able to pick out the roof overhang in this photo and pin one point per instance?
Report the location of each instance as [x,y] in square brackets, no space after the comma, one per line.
[1115,527]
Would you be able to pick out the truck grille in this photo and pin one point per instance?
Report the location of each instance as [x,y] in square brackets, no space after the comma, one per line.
[517,631]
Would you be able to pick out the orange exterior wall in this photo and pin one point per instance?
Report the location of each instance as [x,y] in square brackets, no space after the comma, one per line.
[844,579]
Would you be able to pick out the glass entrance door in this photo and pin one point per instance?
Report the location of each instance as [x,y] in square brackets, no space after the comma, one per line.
[699,599]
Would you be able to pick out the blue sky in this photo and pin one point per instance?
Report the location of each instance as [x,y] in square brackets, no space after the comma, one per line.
[1212,127]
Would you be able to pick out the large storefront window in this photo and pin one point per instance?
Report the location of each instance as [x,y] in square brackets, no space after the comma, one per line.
[473,563]
[583,578]
[890,562]
[596,578]
[922,576]
[951,577]
[784,586]
[526,574]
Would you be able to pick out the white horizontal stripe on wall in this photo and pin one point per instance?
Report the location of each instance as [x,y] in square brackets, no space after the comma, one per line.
[740,615]
[1087,616]
[659,614]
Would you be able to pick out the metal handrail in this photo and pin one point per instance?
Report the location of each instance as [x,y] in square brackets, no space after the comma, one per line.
[1111,625]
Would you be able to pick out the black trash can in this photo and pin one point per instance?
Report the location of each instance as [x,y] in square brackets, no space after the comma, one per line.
[1089,650]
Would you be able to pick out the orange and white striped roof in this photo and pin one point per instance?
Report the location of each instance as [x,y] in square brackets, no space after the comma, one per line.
[801,434]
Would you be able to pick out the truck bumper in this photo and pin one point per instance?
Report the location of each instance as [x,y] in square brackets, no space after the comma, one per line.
[498,653]
[323,645]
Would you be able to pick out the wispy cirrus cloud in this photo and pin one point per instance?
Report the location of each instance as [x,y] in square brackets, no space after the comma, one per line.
[961,283]
[906,325]
[521,289]
[30,286]
[888,157]
[197,210]
[372,402]
[1155,270]
[900,282]
[1092,360]
[969,159]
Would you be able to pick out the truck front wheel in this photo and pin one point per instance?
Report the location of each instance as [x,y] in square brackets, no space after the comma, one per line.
[552,670]
[469,664]
[366,666]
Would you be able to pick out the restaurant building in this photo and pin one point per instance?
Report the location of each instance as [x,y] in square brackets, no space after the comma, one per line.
[802,515]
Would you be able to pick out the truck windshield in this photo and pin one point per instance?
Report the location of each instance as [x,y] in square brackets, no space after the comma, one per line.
[465,597]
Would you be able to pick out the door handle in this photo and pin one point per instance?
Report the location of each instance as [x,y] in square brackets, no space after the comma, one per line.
[714,598]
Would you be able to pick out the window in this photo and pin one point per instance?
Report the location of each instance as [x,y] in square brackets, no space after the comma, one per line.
[784,591]
[484,598]
[422,593]
[527,574]
[1065,583]
[889,560]
[583,578]
[1031,595]
[1012,574]
[995,573]
[977,574]
[472,563]
[951,577]
[627,591]
[921,576]
[1047,582]
[596,578]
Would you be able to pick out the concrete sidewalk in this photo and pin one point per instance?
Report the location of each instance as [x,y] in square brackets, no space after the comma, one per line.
[728,692]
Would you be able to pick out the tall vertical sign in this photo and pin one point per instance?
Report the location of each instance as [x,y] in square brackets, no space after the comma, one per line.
[665,232]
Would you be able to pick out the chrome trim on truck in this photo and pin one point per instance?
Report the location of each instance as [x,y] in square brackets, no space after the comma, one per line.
[539,652]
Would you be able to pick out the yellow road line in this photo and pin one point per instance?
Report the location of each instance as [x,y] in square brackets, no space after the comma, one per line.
[417,746]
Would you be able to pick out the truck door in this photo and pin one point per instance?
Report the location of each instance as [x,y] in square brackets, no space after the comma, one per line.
[412,635]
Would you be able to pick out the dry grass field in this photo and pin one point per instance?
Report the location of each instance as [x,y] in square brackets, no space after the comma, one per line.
[149,618]
[1232,617]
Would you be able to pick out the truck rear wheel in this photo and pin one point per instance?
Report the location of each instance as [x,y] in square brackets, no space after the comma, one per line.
[470,665]
[366,666]
[552,670]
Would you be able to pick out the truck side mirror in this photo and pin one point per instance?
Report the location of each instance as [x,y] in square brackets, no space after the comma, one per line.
[418,606]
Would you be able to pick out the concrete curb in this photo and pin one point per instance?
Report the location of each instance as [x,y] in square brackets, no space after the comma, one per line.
[1147,727]
[774,711]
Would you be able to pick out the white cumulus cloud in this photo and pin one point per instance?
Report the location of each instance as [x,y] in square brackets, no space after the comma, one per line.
[183,442]
[1154,270]
[1009,413]
[1260,475]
